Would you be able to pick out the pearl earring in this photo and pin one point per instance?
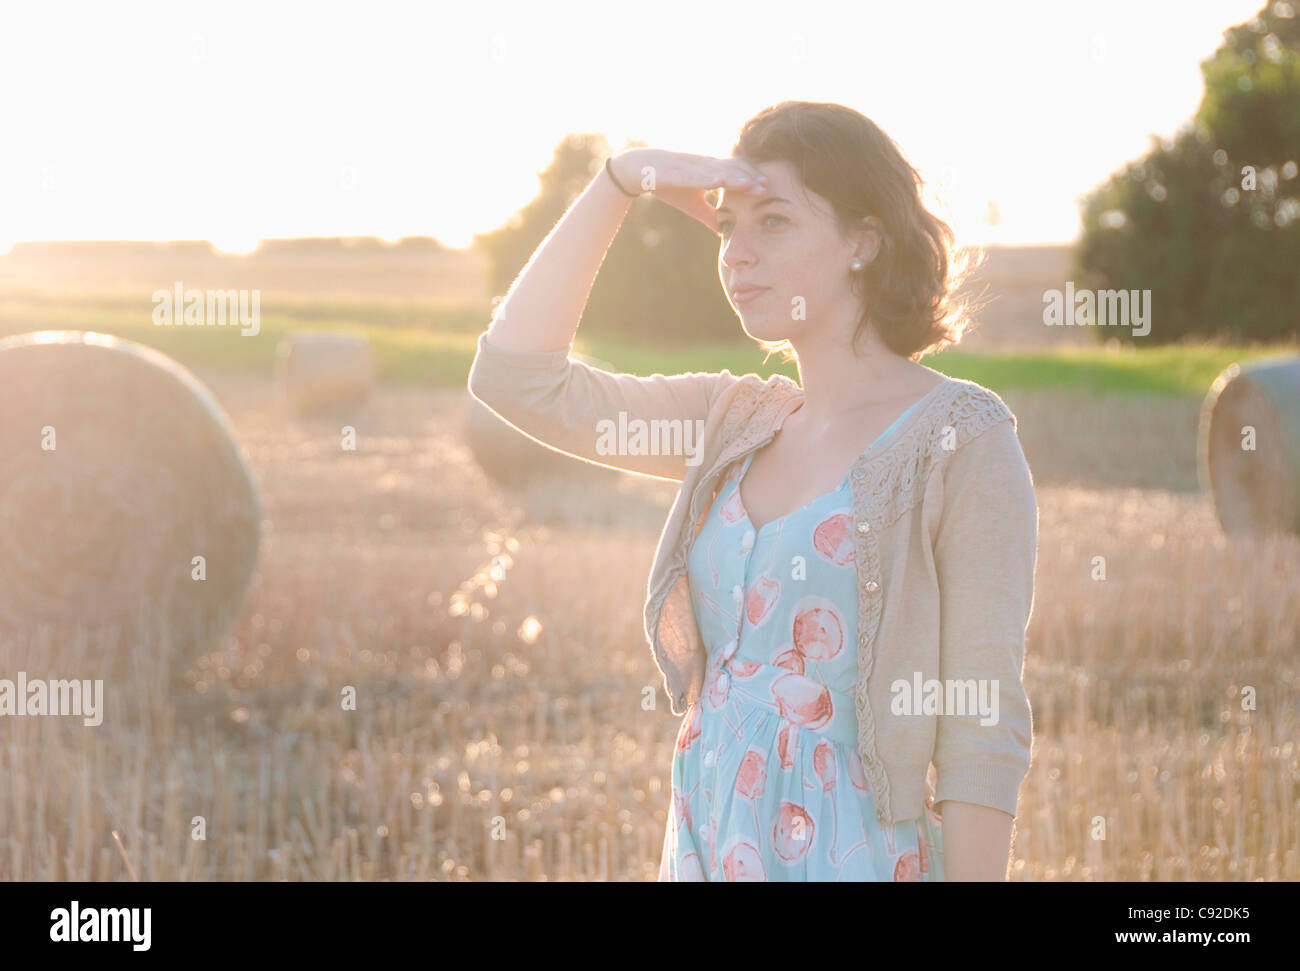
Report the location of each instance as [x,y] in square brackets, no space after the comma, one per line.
[856,266]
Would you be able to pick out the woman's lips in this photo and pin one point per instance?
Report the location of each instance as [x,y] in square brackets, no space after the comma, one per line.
[748,294]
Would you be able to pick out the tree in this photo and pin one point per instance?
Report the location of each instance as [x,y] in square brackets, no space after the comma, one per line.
[1209,220]
[659,278]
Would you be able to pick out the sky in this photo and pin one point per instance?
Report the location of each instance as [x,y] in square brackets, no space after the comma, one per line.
[236,121]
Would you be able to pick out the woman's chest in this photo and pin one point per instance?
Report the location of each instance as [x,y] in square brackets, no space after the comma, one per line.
[783,477]
[785,594]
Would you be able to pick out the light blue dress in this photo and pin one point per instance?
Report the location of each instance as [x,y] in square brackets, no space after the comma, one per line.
[767,782]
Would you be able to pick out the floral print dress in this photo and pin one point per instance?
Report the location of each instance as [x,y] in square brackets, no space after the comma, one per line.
[767,782]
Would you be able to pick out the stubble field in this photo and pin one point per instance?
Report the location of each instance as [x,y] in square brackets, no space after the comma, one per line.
[493,638]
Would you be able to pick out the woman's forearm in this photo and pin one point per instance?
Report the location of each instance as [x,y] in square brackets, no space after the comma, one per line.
[976,842]
[543,306]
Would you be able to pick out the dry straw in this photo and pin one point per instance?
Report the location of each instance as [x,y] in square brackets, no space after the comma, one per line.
[144,474]
[507,453]
[1249,446]
[319,372]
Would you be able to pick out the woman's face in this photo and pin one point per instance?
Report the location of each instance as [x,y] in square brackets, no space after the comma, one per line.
[786,240]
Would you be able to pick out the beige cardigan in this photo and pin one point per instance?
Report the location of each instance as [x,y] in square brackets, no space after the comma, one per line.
[947,536]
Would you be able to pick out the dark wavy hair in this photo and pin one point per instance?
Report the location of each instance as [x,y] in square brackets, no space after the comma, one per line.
[908,291]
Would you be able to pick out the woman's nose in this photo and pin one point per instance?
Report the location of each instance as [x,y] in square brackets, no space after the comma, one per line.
[734,254]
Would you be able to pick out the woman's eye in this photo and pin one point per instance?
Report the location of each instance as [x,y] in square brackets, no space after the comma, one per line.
[725,227]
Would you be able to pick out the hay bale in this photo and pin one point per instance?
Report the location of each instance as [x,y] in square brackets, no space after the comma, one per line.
[324,372]
[507,455]
[1255,491]
[145,474]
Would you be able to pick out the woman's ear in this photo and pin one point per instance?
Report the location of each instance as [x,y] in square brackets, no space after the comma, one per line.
[871,239]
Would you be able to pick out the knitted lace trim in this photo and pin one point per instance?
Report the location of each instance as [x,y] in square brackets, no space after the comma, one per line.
[895,483]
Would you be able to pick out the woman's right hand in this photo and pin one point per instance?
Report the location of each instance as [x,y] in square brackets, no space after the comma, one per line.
[683,180]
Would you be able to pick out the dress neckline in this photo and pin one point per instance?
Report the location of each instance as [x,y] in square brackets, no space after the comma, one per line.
[904,417]
[811,502]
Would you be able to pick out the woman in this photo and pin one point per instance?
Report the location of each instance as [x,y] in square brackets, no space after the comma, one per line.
[829,635]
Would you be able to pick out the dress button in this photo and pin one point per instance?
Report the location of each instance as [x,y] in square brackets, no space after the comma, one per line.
[709,758]
[748,538]
[872,586]
[864,526]
[724,683]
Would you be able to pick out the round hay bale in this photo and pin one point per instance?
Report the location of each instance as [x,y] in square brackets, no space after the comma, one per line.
[119,468]
[324,372]
[1256,489]
[507,455]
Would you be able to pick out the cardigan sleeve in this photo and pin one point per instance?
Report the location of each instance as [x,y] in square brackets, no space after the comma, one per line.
[985,553]
[596,415]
